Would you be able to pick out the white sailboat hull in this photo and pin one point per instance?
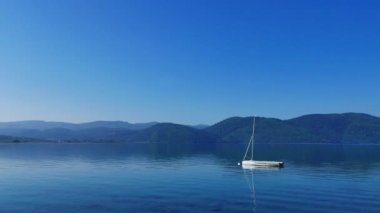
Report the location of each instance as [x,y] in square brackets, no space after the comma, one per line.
[255,163]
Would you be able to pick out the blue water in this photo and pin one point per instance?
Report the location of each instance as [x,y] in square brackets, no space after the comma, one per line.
[187,178]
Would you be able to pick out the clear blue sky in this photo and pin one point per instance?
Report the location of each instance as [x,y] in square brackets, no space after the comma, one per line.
[187,61]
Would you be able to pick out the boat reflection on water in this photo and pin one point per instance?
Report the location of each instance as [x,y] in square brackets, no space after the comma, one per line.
[249,175]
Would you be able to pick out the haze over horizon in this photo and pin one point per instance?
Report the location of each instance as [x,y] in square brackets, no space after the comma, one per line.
[188,62]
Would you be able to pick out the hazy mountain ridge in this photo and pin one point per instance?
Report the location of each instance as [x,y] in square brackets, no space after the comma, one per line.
[315,128]
[69,135]
[43,125]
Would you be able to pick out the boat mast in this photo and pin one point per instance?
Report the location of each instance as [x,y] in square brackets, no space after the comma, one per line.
[253,136]
[251,141]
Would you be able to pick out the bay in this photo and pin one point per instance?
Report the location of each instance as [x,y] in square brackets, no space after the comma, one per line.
[117,177]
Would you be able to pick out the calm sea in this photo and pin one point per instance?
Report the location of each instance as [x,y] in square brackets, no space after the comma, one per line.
[187,178]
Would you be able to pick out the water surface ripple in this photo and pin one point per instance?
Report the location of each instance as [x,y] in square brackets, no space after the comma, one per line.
[191,178]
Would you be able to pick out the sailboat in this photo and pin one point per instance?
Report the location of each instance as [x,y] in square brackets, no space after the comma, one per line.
[250,163]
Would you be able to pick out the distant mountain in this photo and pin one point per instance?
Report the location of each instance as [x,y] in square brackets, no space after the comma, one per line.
[317,128]
[116,125]
[34,124]
[171,133]
[62,131]
[200,126]
[341,128]
[268,130]
[61,134]
[163,132]
[43,125]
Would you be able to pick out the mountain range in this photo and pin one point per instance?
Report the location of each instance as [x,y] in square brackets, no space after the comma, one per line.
[346,128]
[44,125]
